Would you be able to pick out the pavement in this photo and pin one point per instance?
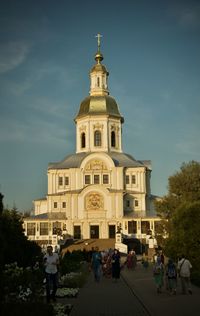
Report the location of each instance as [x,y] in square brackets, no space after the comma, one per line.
[134,294]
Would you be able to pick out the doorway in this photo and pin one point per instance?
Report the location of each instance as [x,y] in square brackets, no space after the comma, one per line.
[94,231]
[111,231]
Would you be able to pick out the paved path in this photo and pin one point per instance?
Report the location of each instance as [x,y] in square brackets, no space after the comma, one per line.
[133,295]
[142,283]
[107,298]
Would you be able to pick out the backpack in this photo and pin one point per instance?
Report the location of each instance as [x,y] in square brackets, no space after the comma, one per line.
[171,272]
[157,269]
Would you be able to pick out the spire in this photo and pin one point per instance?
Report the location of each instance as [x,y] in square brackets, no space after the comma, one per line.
[98,56]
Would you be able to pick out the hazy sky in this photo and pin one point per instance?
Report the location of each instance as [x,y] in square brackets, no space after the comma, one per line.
[152,52]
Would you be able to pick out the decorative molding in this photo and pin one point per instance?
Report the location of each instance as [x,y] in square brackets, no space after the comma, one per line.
[96,165]
[114,127]
[82,128]
[98,126]
[94,201]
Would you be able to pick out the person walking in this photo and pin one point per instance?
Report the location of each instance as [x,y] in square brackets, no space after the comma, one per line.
[96,264]
[184,267]
[158,272]
[116,265]
[129,260]
[171,275]
[51,261]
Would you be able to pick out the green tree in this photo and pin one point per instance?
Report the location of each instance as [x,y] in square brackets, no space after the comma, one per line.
[14,244]
[185,236]
[180,213]
[1,203]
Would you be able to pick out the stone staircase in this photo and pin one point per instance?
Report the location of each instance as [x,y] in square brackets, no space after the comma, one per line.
[89,244]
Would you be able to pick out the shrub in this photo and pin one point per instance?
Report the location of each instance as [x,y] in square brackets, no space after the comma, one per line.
[195,278]
[71,262]
[26,309]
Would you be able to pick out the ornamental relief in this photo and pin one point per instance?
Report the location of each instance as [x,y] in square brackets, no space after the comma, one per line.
[82,128]
[96,165]
[98,126]
[115,128]
[94,201]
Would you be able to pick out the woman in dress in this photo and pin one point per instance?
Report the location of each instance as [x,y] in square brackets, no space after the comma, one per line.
[116,265]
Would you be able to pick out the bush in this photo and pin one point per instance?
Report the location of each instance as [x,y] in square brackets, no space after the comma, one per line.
[26,309]
[71,262]
[195,278]
[21,284]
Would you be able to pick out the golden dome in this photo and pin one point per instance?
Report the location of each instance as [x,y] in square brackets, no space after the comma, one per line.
[98,57]
[98,105]
[99,67]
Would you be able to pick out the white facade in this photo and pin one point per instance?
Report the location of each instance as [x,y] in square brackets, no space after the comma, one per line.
[99,188]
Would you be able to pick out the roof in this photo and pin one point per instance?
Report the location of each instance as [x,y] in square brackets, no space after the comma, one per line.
[98,105]
[40,216]
[99,67]
[119,159]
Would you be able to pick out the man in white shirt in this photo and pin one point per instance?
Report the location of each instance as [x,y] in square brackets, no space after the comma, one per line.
[184,267]
[51,261]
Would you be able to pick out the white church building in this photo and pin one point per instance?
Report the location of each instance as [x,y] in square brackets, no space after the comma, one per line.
[99,189]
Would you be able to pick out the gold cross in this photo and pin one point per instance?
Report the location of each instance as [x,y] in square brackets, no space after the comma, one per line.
[99,40]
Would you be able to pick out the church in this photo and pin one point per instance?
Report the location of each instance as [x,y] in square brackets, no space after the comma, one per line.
[98,190]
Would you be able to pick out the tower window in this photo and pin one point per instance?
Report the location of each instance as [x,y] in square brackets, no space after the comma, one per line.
[87,179]
[105,179]
[133,179]
[83,140]
[66,180]
[96,179]
[127,179]
[60,180]
[97,138]
[98,82]
[128,203]
[113,142]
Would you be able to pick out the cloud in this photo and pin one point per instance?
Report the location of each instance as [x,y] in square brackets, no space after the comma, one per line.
[39,131]
[187,16]
[189,147]
[12,54]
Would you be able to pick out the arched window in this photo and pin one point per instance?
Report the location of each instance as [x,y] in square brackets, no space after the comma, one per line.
[97,138]
[83,140]
[98,82]
[113,142]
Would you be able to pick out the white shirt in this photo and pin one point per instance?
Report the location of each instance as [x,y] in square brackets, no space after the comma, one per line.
[50,263]
[184,267]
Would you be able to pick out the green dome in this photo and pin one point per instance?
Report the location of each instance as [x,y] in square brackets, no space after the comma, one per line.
[99,105]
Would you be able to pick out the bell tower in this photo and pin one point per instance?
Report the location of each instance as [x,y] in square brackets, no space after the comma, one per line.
[99,122]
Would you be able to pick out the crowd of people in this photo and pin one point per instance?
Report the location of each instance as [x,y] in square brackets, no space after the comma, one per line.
[108,263]
[168,274]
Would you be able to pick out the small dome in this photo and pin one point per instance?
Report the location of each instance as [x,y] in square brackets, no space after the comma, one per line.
[99,67]
[98,105]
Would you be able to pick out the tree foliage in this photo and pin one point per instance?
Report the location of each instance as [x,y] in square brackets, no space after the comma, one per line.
[183,187]
[180,213]
[14,244]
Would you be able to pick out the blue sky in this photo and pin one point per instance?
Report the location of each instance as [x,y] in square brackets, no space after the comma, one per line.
[152,52]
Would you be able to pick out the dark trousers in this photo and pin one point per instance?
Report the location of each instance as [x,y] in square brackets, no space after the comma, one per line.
[51,284]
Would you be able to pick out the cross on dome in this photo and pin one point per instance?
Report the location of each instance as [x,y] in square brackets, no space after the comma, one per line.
[99,40]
